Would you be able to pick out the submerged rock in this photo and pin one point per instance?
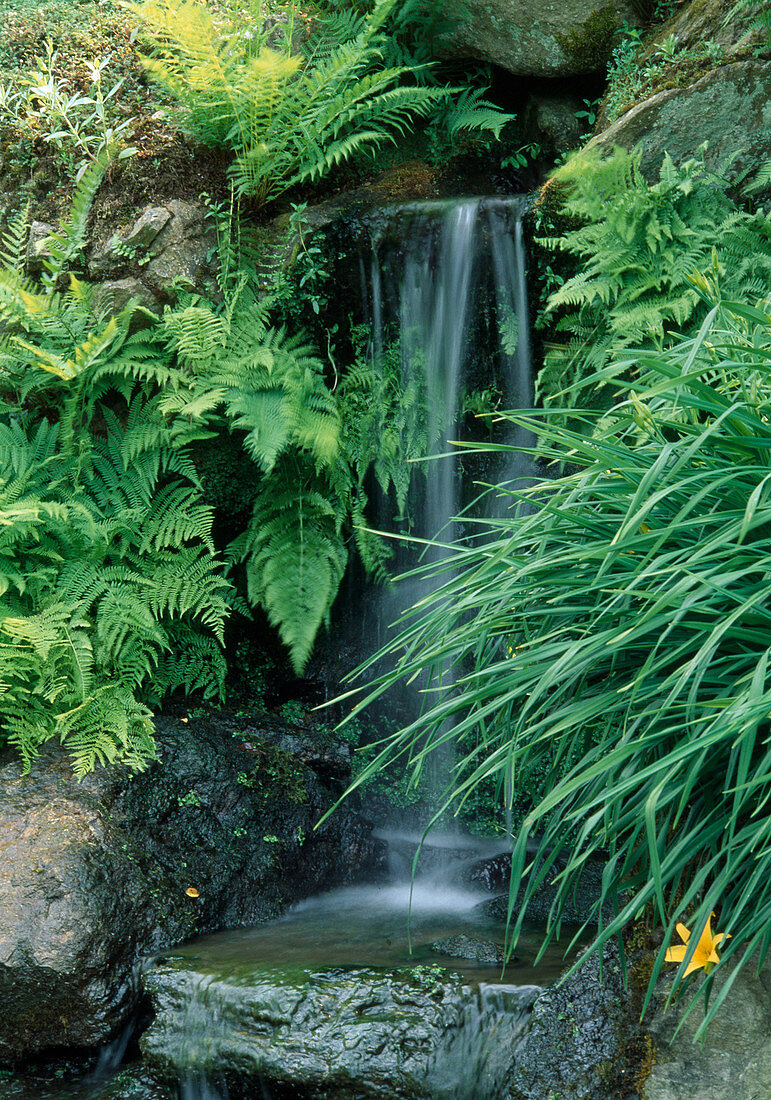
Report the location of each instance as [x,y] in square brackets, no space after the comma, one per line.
[464,947]
[93,875]
[358,1034]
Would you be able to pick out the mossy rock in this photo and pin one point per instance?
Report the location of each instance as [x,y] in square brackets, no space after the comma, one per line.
[537,37]
[728,108]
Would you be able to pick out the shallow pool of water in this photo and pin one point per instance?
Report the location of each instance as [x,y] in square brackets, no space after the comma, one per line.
[383,926]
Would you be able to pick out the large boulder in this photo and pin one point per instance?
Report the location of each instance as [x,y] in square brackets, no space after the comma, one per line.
[537,37]
[702,21]
[358,1034]
[729,108]
[73,912]
[734,1060]
[93,875]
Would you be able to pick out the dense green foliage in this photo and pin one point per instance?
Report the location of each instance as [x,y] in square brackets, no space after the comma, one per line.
[111,592]
[291,116]
[638,245]
[616,640]
[758,13]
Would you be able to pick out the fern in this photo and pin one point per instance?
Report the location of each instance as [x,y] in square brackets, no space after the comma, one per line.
[294,552]
[291,118]
[762,178]
[106,554]
[640,247]
[66,244]
[758,13]
[472,112]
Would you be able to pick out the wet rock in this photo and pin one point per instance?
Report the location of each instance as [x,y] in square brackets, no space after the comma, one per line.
[492,873]
[550,120]
[147,227]
[94,875]
[734,1060]
[122,249]
[537,37]
[183,250]
[233,816]
[582,1041]
[357,1034]
[708,21]
[578,907]
[463,947]
[730,108]
[73,912]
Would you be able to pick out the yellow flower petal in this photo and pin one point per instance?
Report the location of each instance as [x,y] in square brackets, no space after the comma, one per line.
[675,954]
[705,941]
[694,964]
[683,932]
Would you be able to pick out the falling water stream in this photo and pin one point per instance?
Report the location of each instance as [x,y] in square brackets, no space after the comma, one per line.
[447,280]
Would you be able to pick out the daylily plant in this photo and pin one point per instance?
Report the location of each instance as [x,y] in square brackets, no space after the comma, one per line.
[705,954]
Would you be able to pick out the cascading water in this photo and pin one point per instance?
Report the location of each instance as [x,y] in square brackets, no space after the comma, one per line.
[447,281]
[444,282]
[329,1000]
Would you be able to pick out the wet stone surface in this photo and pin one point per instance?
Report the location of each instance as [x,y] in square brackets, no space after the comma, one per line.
[348,1034]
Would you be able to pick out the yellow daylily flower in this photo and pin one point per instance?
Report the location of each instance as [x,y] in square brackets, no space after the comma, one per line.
[705,954]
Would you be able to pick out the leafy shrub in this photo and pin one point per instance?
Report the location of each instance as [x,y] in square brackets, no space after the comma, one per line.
[315,449]
[71,80]
[638,246]
[613,635]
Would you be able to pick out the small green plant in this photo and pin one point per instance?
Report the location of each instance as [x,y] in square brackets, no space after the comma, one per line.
[522,157]
[637,70]
[271,839]
[190,799]
[275,770]
[587,116]
[429,976]
[81,127]
[293,711]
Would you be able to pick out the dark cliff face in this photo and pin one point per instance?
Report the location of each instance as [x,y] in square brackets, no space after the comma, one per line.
[95,875]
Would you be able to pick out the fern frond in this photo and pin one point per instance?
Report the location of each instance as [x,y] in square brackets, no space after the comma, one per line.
[66,244]
[13,242]
[294,554]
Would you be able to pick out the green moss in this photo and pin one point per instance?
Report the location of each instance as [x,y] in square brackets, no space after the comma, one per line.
[277,773]
[590,47]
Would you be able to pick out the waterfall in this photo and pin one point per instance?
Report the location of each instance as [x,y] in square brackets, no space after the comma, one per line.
[447,280]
